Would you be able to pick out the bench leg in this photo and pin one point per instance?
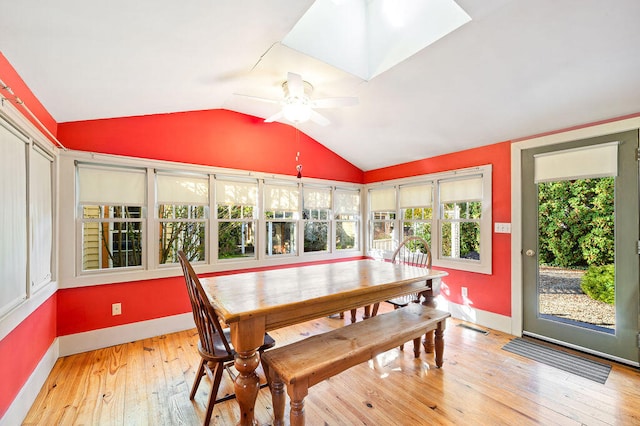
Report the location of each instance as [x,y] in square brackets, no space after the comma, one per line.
[277,399]
[439,343]
[353,315]
[297,393]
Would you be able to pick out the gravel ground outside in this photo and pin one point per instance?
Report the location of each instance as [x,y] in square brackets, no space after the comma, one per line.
[560,295]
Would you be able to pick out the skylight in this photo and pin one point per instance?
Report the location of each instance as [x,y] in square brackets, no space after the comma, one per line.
[368,37]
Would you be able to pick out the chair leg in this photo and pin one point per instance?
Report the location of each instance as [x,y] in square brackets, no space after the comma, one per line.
[428,342]
[374,310]
[214,391]
[416,347]
[197,380]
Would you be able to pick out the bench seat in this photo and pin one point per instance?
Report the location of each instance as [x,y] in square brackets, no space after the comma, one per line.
[307,362]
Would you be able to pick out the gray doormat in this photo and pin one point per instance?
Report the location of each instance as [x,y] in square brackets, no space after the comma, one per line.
[575,364]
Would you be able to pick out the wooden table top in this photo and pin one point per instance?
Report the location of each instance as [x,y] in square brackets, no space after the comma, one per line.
[289,295]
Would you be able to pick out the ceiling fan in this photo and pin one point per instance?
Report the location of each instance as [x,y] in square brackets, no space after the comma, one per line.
[297,104]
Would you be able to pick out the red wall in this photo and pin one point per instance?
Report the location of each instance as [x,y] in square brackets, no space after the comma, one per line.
[22,350]
[89,308]
[213,138]
[486,292]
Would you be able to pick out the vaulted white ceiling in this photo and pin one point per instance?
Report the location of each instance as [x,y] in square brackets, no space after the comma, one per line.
[518,68]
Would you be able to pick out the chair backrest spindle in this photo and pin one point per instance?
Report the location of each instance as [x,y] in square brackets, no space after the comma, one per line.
[414,251]
[205,317]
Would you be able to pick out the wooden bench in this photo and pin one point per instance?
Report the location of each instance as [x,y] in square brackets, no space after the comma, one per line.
[307,362]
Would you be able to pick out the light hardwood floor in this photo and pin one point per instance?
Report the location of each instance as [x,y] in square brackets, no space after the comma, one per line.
[148,382]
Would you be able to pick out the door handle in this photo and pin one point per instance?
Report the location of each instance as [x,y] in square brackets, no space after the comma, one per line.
[530,253]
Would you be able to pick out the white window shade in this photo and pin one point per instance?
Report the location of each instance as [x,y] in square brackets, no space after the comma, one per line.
[13,219]
[415,196]
[236,193]
[41,217]
[382,200]
[460,190]
[281,198]
[177,189]
[107,186]
[347,202]
[580,163]
[317,198]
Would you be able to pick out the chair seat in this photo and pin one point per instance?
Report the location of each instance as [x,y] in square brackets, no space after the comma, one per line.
[402,301]
[220,352]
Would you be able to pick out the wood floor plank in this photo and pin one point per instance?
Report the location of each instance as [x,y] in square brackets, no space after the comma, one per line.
[148,382]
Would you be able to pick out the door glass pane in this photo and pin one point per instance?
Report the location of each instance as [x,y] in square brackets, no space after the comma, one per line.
[576,252]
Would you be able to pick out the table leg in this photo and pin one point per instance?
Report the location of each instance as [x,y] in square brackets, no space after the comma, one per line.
[429,300]
[439,343]
[247,336]
[247,384]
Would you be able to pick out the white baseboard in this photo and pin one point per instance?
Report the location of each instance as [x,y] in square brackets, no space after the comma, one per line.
[29,392]
[476,316]
[105,337]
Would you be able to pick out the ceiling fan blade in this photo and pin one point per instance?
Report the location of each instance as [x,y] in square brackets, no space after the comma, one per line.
[318,118]
[334,102]
[275,117]
[256,98]
[295,85]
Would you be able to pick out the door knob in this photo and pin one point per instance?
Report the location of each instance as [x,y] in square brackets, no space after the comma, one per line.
[530,253]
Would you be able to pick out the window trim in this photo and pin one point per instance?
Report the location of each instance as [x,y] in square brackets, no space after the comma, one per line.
[484,265]
[70,263]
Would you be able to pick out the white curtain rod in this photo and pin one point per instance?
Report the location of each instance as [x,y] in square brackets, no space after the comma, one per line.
[20,102]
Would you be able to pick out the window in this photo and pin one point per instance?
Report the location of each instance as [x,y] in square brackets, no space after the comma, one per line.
[183,202]
[464,221]
[236,203]
[450,210]
[347,216]
[416,210]
[13,217]
[382,207]
[110,203]
[316,215]
[41,191]
[281,215]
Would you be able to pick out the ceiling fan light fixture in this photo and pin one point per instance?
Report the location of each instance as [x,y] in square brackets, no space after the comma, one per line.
[296,106]
[296,110]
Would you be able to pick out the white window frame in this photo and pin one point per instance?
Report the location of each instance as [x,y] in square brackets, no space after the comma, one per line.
[484,265]
[80,220]
[215,241]
[355,216]
[294,210]
[389,205]
[309,189]
[33,291]
[192,197]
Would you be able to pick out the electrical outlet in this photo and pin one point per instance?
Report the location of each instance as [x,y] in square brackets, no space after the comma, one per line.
[502,228]
[465,292]
[116,309]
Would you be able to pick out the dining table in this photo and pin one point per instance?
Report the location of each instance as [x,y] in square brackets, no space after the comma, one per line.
[252,303]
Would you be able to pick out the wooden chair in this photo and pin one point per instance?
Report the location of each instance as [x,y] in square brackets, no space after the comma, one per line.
[412,251]
[214,346]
